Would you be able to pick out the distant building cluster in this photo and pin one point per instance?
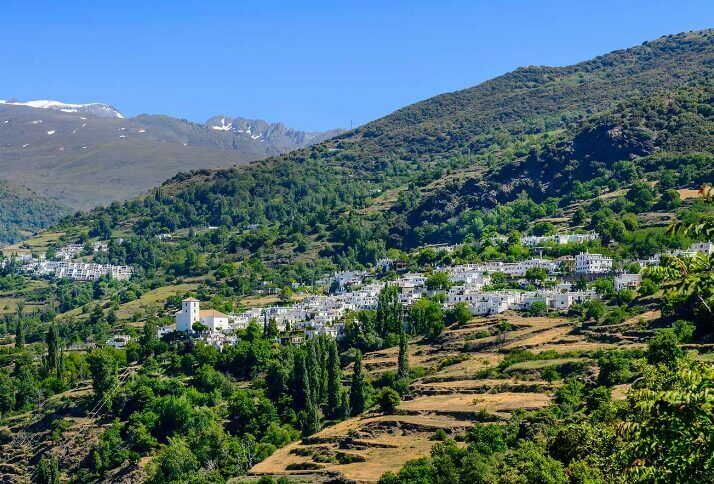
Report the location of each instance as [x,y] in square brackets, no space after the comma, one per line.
[62,265]
[79,271]
[694,249]
[560,239]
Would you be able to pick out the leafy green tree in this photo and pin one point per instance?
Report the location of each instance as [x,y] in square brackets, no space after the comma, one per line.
[438,281]
[174,463]
[538,308]
[111,450]
[459,314]
[663,348]
[426,318]
[389,311]
[48,470]
[642,197]
[594,310]
[670,199]
[684,331]
[272,330]
[149,339]
[301,382]
[25,376]
[528,463]
[310,421]
[104,369]
[669,429]
[580,216]
[7,393]
[358,391]
[569,396]
[286,294]
[536,275]
[648,287]
[614,368]
[403,358]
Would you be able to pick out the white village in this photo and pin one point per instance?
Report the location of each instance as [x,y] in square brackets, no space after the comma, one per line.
[348,291]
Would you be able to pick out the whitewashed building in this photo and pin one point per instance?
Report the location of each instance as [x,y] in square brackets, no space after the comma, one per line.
[627,281]
[586,263]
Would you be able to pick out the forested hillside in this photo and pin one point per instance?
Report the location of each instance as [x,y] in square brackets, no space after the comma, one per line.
[24,212]
[423,174]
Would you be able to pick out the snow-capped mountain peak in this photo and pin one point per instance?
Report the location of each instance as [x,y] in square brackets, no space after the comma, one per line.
[94,109]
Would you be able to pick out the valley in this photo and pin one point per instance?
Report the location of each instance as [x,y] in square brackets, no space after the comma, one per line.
[509,283]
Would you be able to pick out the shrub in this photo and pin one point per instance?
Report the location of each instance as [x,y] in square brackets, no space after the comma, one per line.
[388,400]
[664,348]
[684,331]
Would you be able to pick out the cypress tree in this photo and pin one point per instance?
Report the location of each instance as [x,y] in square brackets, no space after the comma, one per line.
[311,417]
[19,333]
[403,360]
[313,371]
[344,404]
[357,388]
[301,383]
[325,343]
[53,343]
[334,377]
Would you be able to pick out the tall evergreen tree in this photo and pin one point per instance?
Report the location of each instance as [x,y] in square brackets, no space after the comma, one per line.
[313,370]
[325,343]
[19,333]
[403,360]
[344,404]
[334,378]
[301,382]
[310,417]
[53,350]
[357,388]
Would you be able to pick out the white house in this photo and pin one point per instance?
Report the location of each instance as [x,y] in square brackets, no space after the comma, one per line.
[214,320]
[586,263]
[627,281]
[702,247]
[119,340]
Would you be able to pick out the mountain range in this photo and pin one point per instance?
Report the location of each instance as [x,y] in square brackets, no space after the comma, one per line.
[84,155]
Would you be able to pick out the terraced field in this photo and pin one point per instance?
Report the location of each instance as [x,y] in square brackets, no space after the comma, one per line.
[461,385]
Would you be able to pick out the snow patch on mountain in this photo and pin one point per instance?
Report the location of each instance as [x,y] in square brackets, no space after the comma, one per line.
[95,109]
[223,126]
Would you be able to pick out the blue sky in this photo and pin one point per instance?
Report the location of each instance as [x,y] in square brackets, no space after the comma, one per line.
[312,64]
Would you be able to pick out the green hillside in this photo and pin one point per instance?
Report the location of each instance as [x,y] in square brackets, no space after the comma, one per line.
[424,173]
[24,213]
